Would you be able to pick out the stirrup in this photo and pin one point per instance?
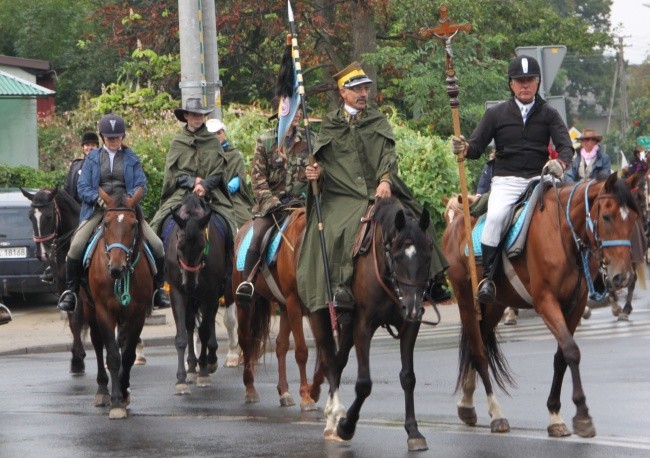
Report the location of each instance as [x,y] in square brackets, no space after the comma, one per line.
[64,295]
[165,301]
[245,291]
[487,291]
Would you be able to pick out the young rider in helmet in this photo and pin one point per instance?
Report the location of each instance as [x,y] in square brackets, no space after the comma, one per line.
[521,128]
[116,169]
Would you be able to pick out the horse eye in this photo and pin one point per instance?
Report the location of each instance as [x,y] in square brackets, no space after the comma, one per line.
[607,217]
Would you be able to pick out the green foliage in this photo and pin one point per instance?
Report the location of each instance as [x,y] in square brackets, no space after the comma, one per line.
[23,176]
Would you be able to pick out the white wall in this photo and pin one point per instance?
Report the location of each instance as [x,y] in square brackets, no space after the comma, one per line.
[18,132]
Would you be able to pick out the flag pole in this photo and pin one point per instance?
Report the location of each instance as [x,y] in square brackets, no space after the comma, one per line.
[314,183]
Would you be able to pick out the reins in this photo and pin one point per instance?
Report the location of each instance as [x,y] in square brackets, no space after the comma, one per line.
[122,286]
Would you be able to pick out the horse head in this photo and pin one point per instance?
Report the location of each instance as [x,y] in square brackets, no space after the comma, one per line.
[45,219]
[407,255]
[613,216]
[192,243]
[121,230]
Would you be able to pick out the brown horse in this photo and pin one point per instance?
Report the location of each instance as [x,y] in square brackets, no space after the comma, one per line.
[580,229]
[55,216]
[118,295]
[197,262]
[388,286]
[254,321]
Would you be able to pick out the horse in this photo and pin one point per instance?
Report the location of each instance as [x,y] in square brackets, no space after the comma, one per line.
[388,285]
[55,216]
[197,270]
[574,231]
[254,320]
[117,294]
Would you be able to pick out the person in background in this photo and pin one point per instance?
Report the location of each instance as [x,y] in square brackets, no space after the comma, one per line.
[234,174]
[484,183]
[117,170]
[89,141]
[592,162]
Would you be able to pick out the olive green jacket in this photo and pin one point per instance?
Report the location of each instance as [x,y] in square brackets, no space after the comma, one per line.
[191,155]
[242,199]
[354,158]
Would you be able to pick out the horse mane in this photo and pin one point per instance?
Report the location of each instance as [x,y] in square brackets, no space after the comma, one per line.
[623,195]
[192,205]
[65,200]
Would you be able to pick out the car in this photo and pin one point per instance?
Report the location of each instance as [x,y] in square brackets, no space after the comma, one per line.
[20,270]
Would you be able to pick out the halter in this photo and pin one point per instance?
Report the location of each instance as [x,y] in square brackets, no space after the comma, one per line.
[584,248]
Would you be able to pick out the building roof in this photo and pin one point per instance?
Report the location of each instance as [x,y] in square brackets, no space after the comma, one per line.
[11,87]
[32,65]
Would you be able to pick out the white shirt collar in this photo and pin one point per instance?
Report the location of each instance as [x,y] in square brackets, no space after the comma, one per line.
[351,111]
[524,105]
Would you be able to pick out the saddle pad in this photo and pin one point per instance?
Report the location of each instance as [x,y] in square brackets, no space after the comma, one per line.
[90,249]
[271,251]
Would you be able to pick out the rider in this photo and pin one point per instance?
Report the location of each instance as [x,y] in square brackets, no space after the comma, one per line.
[592,161]
[356,164]
[195,163]
[521,128]
[278,177]
[117,170]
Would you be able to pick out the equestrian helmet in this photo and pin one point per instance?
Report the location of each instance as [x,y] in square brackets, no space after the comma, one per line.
[524,67]
[112,126]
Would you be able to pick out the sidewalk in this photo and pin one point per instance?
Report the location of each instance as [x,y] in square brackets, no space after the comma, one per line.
[43,329]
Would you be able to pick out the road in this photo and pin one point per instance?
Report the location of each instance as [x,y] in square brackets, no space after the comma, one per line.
[47,412]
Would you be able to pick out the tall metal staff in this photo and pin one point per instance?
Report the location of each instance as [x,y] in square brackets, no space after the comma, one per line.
[445,31]
[314,184]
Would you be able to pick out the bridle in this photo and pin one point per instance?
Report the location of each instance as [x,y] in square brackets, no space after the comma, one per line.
[57,218]
[128,250]
[122,286]
[184,265]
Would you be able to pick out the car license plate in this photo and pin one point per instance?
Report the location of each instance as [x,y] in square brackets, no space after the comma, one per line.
[13,252]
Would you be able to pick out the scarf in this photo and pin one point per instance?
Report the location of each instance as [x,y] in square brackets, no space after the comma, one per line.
[588,156]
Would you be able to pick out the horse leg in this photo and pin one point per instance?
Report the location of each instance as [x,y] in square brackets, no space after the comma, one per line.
[318,379]
[230,321]
[294,312]
[627,308]
[281,349]
[190,325]
[203,377]
[568,353]
[102,397]
[212,343]
[613,302]
[247,344]
[140,359]
[76,322]
[129,341]
[113,361]
[465,405]
[181,387]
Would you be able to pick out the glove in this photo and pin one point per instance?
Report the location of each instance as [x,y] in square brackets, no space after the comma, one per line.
[555,168]
[185,181]
[458,144]
[212,182]
[101,203]
[233,185]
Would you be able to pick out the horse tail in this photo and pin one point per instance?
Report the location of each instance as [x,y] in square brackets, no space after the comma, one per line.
[499,366]
[259,325]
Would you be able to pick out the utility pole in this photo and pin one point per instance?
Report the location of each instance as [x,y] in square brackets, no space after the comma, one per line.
[199,57]
[623,86]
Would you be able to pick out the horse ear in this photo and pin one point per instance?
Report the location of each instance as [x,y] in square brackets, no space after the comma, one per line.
[400,220]
[179,221]
[27,194]
[425,220]
[611,179]
[634,180]
[132,201]
[53,193]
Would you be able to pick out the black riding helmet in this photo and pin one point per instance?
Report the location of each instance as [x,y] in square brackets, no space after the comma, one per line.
[111,126]
[524,67]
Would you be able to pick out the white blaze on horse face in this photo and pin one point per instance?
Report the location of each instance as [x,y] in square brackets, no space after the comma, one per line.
[38,216]
[411,251]
[120,217]
[625,212]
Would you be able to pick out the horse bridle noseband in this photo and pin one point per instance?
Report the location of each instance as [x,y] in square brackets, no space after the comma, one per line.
[194,268]
[126,249]
[57,216]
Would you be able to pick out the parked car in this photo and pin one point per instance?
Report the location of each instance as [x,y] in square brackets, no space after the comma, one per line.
[20,270]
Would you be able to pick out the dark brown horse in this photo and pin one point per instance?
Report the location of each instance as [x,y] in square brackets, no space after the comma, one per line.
[582,229]
[254,321]
[55,216]
[118,296]
[388,286]
[197,270]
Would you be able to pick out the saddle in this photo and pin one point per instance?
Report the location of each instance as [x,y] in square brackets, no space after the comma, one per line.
[91,246]
[364,235]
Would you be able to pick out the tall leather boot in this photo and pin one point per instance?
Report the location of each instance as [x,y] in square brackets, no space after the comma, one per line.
[160,299]
[487,290]
[246,288]
[73,272]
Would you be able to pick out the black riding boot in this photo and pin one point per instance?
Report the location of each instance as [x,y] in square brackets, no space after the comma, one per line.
[73,272]
[246,289]
[160,299]
[487,291]
[437,290]
[47,276]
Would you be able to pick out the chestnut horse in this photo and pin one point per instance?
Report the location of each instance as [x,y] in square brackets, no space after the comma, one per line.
[55,216]
[254,321]
[580,229]
[118,295]
[197,267]
[388,286]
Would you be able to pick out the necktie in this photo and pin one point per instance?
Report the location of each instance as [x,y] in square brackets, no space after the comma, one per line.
[524,113]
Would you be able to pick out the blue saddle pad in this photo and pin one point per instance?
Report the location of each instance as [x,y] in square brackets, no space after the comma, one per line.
[90,249]
[271,249]
[511,235]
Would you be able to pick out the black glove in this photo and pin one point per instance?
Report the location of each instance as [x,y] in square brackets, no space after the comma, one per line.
[212,182]
[185,181]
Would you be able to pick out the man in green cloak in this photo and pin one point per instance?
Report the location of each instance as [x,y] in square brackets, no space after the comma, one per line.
[195,163]
[355,163]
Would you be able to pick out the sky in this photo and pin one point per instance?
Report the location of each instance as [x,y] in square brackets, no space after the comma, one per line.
[631,19]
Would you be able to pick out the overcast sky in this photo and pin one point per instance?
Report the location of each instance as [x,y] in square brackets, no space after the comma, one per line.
[631,19]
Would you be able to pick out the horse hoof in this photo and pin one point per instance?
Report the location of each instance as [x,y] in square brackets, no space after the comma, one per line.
[308,406]
[468,415]
[584,428]
[252,398]
[558,430]
[203,381]
[140,360]
[623,317]
[125,402]
[77,368]
[191,377]
[417,444]
[500,425]
[117,413]
[587,313]
[345,429]
[231,361]
[212,368]
[330,435]
[510,322]
[181,389]
[616,309]
[286,400]
[102,400]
